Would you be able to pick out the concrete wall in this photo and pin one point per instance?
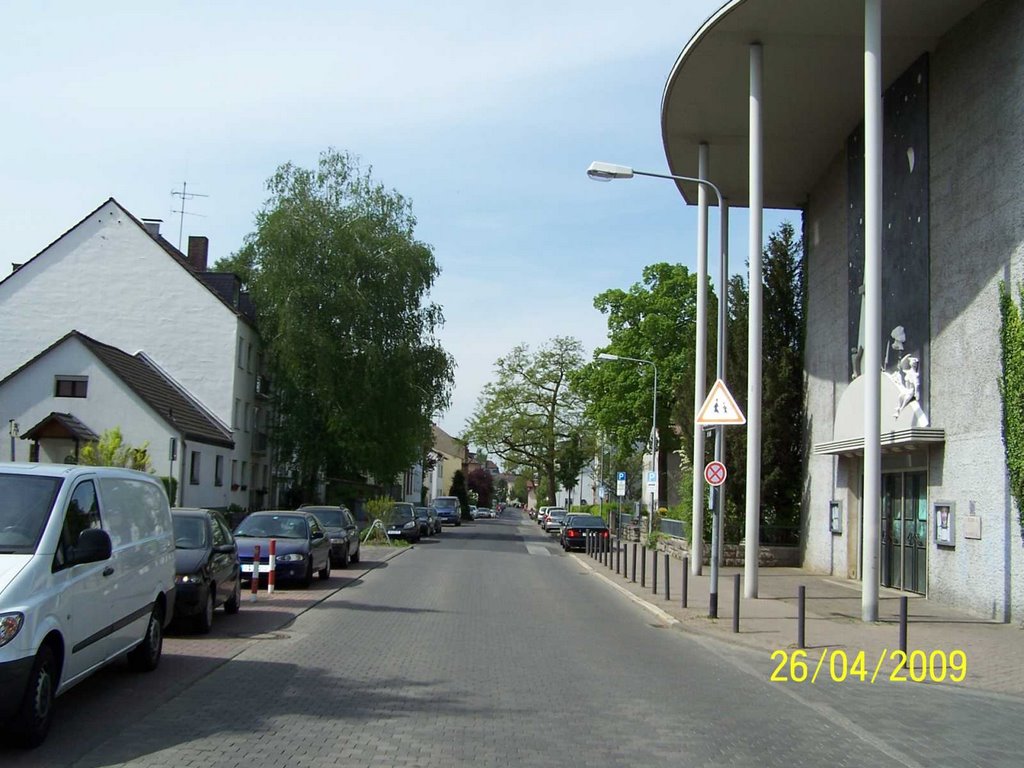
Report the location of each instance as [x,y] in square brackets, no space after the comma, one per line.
[977,153]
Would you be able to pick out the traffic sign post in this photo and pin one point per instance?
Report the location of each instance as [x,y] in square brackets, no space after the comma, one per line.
[715,473]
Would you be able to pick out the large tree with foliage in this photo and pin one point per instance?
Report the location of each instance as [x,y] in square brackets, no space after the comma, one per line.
[654,320]
[529,408]
[340,282]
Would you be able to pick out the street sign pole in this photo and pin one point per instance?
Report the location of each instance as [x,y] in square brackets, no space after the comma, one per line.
[715,474]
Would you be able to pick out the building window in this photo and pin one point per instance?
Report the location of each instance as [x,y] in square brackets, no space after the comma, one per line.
[234,414]
[218,470]
[245,471]
[248,358]
[193,471]
[71,386]
[248,413]
[241,351]
[234,474]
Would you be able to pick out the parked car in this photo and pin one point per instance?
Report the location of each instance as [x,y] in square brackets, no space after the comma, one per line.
[71,537]
[342,530]
[206,567]
[448,509]
[485,513]
[303,547]
[542,512]
[429,524]
[553,519]
[577,529]
[401,522]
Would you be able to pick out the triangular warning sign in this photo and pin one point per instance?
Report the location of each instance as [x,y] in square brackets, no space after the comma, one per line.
[720,408]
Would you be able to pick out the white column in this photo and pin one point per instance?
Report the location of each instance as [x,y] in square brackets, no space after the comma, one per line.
[873,304]
[752,532]
[697,532]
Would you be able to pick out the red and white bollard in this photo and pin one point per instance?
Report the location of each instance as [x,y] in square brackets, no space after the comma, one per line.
[272,566]
[254,583]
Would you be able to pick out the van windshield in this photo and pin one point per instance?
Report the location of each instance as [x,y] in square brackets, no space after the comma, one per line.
[25,504]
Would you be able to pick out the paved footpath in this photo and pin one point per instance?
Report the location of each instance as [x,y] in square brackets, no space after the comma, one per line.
[994,651]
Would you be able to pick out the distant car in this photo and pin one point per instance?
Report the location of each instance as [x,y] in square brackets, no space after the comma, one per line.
[448,509]
[577,529]
[303,547]
[553,519]
[401,523]
[485,512]
[206,566]
[341,529]
[429,524]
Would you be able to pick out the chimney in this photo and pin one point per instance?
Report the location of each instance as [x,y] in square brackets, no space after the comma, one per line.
[153,226]
[198,247]
[15,267]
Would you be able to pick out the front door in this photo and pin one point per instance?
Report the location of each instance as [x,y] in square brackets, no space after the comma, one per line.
[904,563]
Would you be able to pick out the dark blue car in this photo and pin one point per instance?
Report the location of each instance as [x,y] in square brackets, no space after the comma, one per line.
[302,545]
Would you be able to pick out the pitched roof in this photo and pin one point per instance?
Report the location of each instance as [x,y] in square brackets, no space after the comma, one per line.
[171,402]
[445,443]
[208,280]
[61,423]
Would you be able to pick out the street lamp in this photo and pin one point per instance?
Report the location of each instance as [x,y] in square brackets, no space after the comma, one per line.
[654,429]
[600,171]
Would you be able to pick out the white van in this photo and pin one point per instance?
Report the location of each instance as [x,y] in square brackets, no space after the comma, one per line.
[86,574]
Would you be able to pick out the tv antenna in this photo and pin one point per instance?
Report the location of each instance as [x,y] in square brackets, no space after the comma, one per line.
[185,196]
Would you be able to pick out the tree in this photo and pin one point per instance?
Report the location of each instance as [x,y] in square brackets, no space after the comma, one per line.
[458,490]
[529,408]
[111,451]
[481,481]
[654,320]
[339,282]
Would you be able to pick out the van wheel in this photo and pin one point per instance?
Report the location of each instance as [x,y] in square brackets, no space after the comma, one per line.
[204,620]
[145,657]
[32,722]
[233,603]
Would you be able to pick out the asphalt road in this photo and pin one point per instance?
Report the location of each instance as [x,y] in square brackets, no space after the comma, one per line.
[489,646]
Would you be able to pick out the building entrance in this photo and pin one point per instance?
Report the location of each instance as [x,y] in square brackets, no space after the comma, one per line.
[904,556]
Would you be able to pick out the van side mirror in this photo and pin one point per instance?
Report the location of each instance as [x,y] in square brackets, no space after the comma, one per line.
[93,546]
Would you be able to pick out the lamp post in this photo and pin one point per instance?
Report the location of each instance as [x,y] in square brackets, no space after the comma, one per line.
[12,427]
[654,429]
[600,171]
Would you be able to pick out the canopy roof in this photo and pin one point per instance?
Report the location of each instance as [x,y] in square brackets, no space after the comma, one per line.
[813,87]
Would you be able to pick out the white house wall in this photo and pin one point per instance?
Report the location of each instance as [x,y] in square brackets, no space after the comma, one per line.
[28,398]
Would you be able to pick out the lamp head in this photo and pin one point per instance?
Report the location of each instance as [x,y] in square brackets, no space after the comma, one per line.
[607,356]
[599,171]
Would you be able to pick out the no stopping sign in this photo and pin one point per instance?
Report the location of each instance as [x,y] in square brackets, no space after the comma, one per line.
[715,473]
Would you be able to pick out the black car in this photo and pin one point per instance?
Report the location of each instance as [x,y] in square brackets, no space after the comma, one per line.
[579,528]
[206,564]
[429,524]
[401,522]
[301,543]
[341,529]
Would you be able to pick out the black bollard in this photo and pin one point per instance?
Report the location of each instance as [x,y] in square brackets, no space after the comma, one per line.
[634,562]
[686,578]
[903,624]
[618,556]
[654,572]
[668,581]
[643,566]
[736,602]
[801,597]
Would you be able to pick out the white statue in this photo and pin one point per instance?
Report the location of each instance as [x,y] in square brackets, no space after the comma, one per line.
[907,378]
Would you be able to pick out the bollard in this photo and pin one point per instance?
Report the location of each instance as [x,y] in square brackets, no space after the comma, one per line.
[654,572]
[686,578]
[618,556]
[801,597]
[668,580]
[609,558]
[643,565]
[272,567]
[586,546]
[903,624]
[634,562]
[254,583]
[736,602]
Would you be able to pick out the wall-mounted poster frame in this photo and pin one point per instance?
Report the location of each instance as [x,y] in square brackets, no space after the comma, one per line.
[835,516]
[944,513]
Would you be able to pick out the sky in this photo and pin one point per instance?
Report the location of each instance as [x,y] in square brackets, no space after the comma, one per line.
[485,115]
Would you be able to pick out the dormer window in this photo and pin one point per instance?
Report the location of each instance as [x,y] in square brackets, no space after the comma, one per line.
[71,386]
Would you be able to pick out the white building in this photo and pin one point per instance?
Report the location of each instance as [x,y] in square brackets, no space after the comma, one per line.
[77,388]
[113,278]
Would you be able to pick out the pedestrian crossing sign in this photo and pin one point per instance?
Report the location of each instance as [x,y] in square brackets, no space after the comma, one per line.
[720,407]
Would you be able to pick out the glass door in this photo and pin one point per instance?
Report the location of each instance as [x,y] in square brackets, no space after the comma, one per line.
[904,531]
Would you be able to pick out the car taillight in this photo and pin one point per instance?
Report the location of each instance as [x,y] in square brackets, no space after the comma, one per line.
[570,533]
[604,534]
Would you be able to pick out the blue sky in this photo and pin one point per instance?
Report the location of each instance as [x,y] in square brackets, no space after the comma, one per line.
[485,115]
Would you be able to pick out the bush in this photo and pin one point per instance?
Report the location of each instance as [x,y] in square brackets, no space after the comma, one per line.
[378,509]
[171,487]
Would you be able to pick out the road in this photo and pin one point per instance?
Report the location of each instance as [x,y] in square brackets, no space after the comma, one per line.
[490,647]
